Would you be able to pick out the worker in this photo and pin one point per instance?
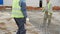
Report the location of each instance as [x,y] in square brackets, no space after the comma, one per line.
[19,14]
[47,13]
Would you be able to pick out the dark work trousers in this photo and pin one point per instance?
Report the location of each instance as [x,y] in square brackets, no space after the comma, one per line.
[20,23]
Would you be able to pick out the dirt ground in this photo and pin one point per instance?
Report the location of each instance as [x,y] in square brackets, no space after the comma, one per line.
[8,25]
[33,26]
[36,18]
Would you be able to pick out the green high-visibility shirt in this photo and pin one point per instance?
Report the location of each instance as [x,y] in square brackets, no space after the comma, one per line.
[16,10]
[47,7]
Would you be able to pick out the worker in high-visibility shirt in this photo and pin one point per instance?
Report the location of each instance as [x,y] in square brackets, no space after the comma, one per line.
[47,13]
[19,14]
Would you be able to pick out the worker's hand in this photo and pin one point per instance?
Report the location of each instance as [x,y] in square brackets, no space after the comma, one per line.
[43,10]
[27,19]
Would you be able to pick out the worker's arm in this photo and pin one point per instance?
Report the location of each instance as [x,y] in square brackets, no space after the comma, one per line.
[44,9]
[22,3]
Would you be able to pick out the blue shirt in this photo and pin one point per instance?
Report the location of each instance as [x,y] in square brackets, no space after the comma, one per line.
[22,3]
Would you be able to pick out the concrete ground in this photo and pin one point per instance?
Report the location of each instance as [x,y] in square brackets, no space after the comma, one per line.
[8,25]
[36,18]
[33,26]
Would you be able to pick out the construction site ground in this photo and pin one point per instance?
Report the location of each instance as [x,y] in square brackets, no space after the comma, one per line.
[33,25]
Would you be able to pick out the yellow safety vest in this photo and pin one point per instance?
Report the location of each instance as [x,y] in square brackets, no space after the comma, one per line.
[16,10]
[48,6]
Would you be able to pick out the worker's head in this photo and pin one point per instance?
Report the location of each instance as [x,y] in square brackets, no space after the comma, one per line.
[47,1]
